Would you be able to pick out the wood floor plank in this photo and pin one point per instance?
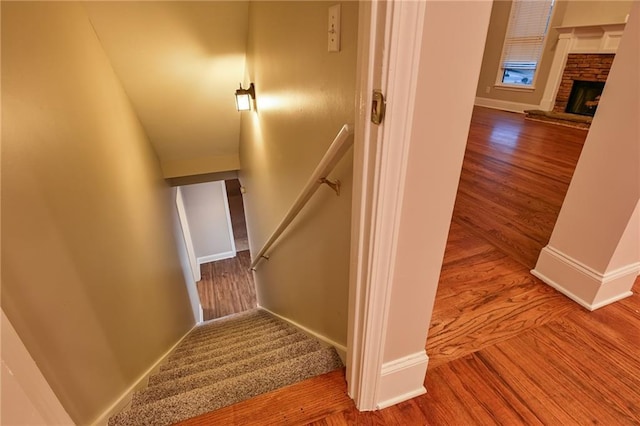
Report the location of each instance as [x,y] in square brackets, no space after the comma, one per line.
[462,243]
[532,382]
[486,398]
[514,177]
[485,170]
[296,404]
[557,365]
[618,394]
[516,310]
[227,286]
[484,298]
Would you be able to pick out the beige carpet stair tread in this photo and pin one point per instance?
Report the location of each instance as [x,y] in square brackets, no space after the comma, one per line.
[220,333]
[205,399]
[231,340]
[205,378]
[226,324]
[231,329]
[247,352]
[238,347]
[226,361]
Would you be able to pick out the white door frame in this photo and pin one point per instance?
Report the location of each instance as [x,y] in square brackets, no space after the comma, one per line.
[394,274]
[388,53]
[24,388]
[186,234]
[227,210]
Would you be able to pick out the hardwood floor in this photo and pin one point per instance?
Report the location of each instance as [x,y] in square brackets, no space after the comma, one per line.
[514,178]
[504,348]
[227,286]
[578,369]
[484,297]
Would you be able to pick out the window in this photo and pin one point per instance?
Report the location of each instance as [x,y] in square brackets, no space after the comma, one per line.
[523,44]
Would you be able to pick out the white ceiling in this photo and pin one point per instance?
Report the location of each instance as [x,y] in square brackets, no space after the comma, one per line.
[180,63]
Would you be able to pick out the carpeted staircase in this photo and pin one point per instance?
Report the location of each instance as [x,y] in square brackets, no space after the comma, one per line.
[225,361]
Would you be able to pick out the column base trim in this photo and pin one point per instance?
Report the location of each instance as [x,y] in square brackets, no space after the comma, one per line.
[402,379]
[582,284]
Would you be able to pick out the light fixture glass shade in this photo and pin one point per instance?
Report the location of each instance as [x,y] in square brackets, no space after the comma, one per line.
[243,102]
[244,96]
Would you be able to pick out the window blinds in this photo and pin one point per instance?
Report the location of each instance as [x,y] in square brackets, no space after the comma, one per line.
[525,33]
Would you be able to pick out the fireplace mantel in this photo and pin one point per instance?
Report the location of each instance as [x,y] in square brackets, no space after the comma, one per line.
[597,38]
[613,26]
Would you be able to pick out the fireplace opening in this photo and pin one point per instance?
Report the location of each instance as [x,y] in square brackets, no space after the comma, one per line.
[584,97]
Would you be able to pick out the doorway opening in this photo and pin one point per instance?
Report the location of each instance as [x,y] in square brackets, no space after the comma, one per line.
[215,233]
[226,286]
[514,178]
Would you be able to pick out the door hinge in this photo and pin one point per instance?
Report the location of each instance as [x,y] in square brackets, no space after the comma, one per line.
[377,107]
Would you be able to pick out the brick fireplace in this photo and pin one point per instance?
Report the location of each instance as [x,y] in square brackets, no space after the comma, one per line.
[587,51]
[582,61]
[581,67]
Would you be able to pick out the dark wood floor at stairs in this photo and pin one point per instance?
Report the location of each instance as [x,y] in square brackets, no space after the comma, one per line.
[227,286]
[504,348]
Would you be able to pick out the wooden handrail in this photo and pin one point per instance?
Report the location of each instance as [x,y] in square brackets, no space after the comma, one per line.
[336,151]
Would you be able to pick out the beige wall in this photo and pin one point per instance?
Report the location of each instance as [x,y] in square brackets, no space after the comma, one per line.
[493,51]
[304,95]
[207,208]
[590,12]
[91,278]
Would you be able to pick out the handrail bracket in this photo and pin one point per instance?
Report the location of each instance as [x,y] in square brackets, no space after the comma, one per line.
[335,185]
[265,257]
[335,152]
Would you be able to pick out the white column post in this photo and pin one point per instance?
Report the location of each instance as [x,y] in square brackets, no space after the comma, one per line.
[593,255]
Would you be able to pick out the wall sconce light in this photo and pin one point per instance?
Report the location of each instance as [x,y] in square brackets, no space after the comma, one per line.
[244,96]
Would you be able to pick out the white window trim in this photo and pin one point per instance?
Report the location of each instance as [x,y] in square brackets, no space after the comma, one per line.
[514,87]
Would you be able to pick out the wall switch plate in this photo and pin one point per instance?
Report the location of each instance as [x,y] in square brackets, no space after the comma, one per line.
[334,28]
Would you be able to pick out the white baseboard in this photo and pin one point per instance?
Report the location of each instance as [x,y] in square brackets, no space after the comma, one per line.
[402,379]
[216,257]
[125,398]
[584,285]
[504,105]
[341,349]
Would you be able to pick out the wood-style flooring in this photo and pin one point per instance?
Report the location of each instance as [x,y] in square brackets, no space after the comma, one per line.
[504,348]
[514,178]
[579,369]
[227,286]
